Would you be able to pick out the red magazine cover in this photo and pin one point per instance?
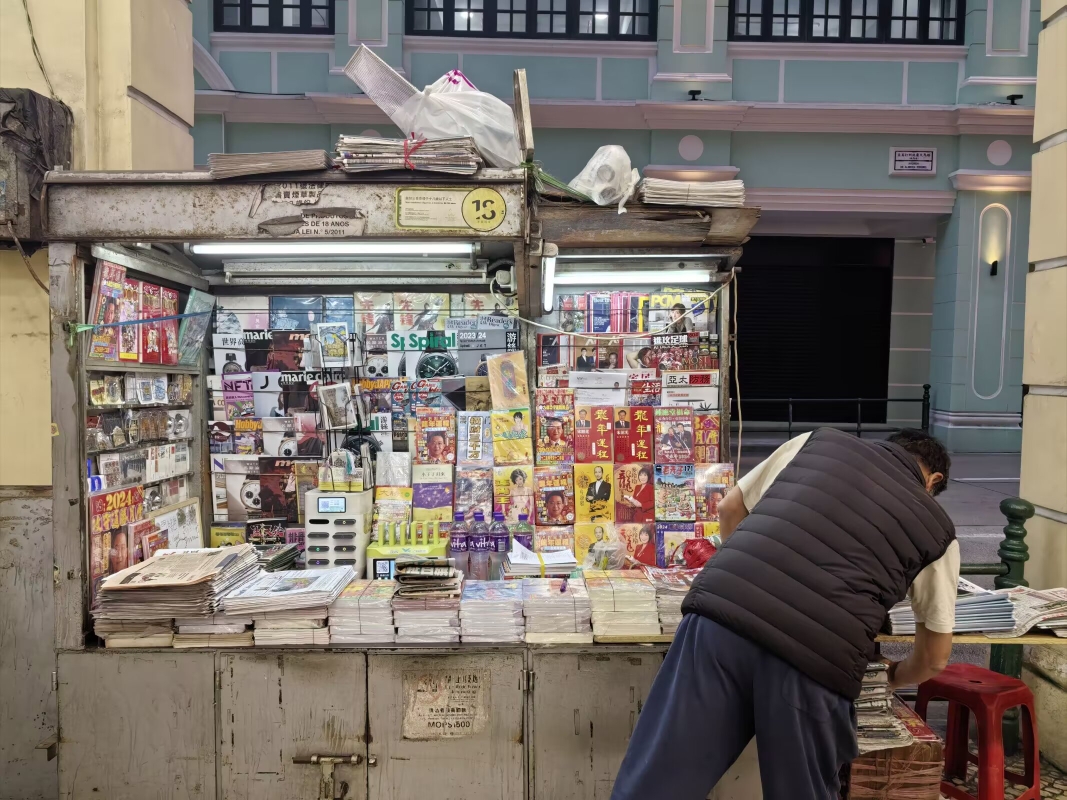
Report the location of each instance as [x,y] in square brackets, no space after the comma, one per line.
[169,328]
[674,435]
[706,433]
[108,293]
[593,434]
[675,351]
[130,335]
[555,426]
[634,442]
[151,307]
[554,495]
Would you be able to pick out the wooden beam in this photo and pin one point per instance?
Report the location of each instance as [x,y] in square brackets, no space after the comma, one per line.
[574,225]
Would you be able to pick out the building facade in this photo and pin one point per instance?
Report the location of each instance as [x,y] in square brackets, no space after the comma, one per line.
[804,100]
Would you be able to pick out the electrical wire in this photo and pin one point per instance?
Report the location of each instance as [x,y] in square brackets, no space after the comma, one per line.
[25,258]
[37,53]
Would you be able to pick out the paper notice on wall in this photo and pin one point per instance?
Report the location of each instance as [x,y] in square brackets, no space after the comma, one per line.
[445,704]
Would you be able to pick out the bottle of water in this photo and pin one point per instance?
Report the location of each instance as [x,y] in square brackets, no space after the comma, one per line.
[499,544]
[523,532]
[459,543]
[479,549]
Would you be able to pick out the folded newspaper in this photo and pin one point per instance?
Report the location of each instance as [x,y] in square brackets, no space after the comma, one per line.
[1043,608]
[288,590]
[418,576]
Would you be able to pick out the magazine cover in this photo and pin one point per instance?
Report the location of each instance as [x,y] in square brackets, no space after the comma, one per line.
[609,354]
[108,295]
[267,394]
[242,488]
[594,496]
[257,346]
[310,441]
[340,410]
[420,311]
[151,332]
[698,390]
[594,433]
[431,492]
[675,500]
[554,495]
[509,425]
[635,495]
[237,395]
[279,437]
[706,433]
[555,426]
[571,312]
[169,327]
[508,386]
[220,437]
[670,537]
[287,350]
[306,473]
[713,482]
[674,435]
[633,434]
[478,397]
[248,436]
[392,504]
[587,535]
[474,491]
[288,313]
[512,452]
[645,392]
[475,347]
[239,314]
[640,540]
[340,308]
[331,338]
[553,537]
[435,435]
[227,534]
[583,354]
[474,304]
[513,492]
[193,328]
[277,488]
[474,439]
[228,353]
[375,311]
[679,312]
[675,351]
[266,531]
[130,311]
[553,349]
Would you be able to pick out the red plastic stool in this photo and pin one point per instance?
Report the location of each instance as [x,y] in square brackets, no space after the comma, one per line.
[986,694]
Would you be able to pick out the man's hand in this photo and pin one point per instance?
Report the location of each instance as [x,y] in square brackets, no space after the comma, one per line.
[927,659]
[731,511]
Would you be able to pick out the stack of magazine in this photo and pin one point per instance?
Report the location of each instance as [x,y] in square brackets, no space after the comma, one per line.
[491,611]
[521,562]
[557,611]
[363,614]
[295,626]
[877,727]
[232,165]
[623,603]
[456,155]
[672,585]
[134,605]
[978,610]
[218,630]
[659,191]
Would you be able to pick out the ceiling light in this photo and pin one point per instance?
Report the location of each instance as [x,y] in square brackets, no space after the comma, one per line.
[332,249]
[622,277]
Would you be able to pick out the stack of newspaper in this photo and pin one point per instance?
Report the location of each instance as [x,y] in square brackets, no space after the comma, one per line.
[363,614]
[276,557]
[877,727]
[232,165]
[491,611]
[672,585]
[978,610]
[623,603]
[136,607]
[557,611]
[456,155]
[522,562]
[294,626]
[1045,609]
[659,191]
[426,620]
[218,630]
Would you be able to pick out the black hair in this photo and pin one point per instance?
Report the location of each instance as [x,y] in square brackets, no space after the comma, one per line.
[927,449]
[645,471]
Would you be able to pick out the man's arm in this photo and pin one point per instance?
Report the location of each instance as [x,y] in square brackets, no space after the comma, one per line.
[927,659]
[731,511]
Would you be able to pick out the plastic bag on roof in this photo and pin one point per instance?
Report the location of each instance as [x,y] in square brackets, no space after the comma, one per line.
[608,178]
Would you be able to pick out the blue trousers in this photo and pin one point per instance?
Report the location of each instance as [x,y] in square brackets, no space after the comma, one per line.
[714,692]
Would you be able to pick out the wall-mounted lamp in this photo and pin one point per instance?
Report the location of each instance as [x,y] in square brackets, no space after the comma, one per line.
[993,268]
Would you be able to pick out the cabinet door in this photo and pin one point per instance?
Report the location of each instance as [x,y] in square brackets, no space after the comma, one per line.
[448,727]
[273,708]
[584,708]
[136,725]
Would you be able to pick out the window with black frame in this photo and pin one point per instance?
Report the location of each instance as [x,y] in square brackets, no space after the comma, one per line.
[274,16]
[558,19]
[856,21]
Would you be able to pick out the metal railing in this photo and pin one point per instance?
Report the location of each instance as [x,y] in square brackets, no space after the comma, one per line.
[858,402]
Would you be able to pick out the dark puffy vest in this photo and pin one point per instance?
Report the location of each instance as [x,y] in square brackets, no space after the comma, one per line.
[837,539]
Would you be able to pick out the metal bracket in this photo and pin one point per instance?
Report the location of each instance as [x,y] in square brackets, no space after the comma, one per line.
[51,744]
[327,783]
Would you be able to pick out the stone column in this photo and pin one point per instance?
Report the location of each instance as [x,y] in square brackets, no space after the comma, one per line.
[1044,463]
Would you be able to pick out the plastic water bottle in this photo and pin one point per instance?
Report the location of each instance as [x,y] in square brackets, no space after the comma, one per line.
[499,544]
[459,543]
[523,531]
[479,549]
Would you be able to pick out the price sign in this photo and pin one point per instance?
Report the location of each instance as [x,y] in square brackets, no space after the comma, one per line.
[115,509]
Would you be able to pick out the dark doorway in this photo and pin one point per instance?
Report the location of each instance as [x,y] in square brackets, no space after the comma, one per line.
[813,322]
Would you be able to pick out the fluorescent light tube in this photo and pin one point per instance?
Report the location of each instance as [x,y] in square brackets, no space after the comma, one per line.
[668,277]
[332,249]
[608,257]
[548,284]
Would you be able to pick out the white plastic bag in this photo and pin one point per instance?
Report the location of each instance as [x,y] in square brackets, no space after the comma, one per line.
[452,106]
[608,178]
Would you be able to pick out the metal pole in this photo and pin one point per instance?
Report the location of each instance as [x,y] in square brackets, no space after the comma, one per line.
[859,418]
[926,408]
[789,430]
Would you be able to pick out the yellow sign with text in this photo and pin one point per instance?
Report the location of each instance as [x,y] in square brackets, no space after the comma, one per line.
[482,209]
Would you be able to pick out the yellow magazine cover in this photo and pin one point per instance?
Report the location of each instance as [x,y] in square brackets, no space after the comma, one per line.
[512,452]
[594,493]
[508,385]
[512,424]
[589,534]
[513,492]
